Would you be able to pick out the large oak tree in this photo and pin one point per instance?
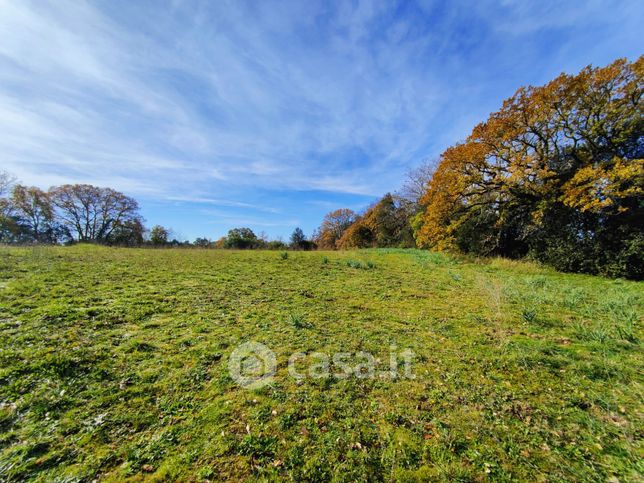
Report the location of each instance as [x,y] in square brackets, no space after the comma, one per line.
[91,212]
[557,173]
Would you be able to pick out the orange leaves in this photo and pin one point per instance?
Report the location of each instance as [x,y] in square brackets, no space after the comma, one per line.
[333,227]
[444,194]
[385,224]
[572,144]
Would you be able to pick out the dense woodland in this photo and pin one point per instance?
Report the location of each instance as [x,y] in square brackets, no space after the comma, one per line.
[555,175]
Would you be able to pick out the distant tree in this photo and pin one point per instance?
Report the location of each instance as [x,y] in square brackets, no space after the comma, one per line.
[276,245]
[176,243]
[384,224]
[158,235]
[297,237]
[6,181]
[202,242]
[333,227]
[7,221]
[35,210]
[130,233]
[358,235]
[91,212]
[299,240]
[241,238]
[11,228]
[416,181]
[262,240]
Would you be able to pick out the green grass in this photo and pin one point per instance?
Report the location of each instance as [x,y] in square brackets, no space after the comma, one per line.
[114,365]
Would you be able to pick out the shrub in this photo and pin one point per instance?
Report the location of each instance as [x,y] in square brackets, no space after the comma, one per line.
[241,238]
[360,265]
[276,245]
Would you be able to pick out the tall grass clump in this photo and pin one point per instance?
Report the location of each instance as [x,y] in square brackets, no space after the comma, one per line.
[298,321]
[357,264]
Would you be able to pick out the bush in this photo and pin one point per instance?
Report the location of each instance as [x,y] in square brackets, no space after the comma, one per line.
[359,265]
[276,245]
[241,238]
[202,243]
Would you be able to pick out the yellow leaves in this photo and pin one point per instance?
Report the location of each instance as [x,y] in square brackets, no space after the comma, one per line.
[596,188]
[355,236]
[333,227]
[546,146]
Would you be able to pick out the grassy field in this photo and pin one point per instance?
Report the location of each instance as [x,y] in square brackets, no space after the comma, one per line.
[114,364]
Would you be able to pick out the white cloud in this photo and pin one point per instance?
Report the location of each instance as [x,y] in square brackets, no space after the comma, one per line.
[216,98]
[97,101]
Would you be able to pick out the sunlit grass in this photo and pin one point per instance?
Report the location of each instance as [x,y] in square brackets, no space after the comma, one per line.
[114,365]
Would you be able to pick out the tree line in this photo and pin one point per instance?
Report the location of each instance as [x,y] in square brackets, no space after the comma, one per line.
[245,238]
[555,175]
[91,214]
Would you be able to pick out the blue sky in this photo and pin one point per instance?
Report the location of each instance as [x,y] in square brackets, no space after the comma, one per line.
[265,114]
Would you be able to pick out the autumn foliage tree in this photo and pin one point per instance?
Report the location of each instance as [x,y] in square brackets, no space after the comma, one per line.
[557,174]
[384,224]
[333,227]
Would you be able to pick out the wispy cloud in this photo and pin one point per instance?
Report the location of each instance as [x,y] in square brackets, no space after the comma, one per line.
[252,105]
[219,202]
